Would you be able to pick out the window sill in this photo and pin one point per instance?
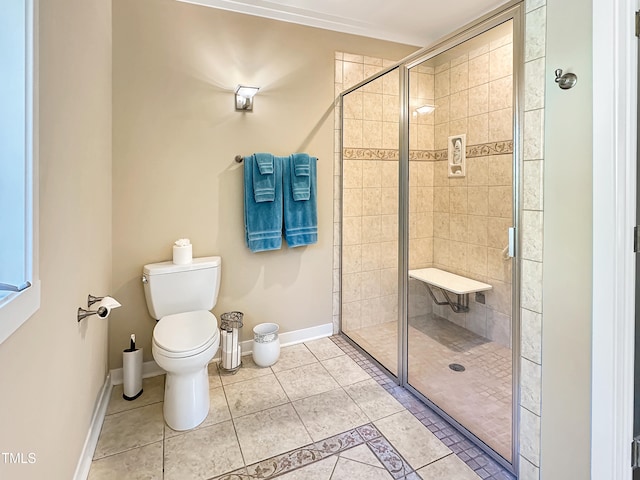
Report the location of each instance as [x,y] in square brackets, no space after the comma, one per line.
[17,308]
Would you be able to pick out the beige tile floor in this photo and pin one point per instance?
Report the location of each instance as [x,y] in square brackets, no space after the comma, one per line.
[314,415]
[478,398]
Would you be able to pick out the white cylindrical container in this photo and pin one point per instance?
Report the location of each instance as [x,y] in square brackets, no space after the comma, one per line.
[182,255]
[132,373]
[266,344]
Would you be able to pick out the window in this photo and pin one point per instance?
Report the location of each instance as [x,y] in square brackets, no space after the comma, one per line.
[19,285]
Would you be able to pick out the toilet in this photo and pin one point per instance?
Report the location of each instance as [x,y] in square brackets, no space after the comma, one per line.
[186,336]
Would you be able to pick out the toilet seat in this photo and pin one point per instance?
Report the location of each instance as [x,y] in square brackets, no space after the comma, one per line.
[185,334]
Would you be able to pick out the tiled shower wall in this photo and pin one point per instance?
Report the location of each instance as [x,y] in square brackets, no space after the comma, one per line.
[370,207]
[456,224]
[351,69]
[531,239]
[472,93]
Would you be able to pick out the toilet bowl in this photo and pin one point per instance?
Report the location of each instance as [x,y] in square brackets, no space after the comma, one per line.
[183,345]
[186,337]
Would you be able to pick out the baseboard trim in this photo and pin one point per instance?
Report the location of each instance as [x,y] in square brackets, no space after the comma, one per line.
[297,336]
[97,419]
[151,368]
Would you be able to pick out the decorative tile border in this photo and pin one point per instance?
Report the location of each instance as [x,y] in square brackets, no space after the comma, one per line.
[369,154]
[304,456]
[493,148]
[480,150]
[394,463]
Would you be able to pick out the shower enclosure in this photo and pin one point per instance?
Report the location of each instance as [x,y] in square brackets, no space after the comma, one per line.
[430,181]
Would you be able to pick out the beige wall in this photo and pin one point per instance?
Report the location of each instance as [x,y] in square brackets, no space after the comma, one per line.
[567,274]
[52,368]
[175,138]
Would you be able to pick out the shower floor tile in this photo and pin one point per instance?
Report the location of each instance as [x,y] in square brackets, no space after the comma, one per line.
[481,463]
[478,397]
[306,438]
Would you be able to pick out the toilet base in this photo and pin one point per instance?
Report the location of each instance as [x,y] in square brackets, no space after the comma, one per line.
[186,399]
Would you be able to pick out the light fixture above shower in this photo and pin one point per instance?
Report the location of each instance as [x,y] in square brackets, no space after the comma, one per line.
[425,109]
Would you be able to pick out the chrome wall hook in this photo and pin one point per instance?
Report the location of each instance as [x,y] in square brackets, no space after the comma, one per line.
[567,80]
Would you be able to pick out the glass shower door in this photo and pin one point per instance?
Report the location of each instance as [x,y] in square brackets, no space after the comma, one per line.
[461,164]
[369,237]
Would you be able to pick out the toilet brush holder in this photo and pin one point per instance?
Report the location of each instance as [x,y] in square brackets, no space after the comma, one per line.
[132,373]
[231,356]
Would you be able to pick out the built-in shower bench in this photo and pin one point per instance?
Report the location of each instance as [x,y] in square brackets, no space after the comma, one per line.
[434,278]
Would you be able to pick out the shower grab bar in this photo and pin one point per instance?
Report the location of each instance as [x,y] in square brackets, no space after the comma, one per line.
[240,158]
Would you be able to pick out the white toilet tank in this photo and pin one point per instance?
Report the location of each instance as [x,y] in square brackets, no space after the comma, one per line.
[170,288]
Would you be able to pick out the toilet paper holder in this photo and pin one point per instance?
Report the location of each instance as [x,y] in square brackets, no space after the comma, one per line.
[106,303]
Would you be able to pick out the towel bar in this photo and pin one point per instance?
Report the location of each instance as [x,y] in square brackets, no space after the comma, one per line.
[239,158]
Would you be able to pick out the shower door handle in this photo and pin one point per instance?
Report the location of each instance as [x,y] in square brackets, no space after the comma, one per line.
[512,242]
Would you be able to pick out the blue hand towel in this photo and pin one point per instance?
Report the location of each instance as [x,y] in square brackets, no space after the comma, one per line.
[262,220]
[300,216]
[263,178]
[265,163]
[300,183]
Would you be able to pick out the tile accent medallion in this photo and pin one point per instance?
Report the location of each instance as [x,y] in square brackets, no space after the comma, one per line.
[301,457]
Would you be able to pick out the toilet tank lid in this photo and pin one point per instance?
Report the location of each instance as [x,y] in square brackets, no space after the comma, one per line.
[170,267]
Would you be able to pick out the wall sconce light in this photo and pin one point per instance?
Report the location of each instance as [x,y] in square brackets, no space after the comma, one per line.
[244,98]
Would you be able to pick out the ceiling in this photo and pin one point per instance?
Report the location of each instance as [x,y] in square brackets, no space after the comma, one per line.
[412,22]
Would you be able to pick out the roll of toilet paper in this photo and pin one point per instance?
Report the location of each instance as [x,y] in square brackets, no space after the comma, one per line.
[182,252]
[105,306]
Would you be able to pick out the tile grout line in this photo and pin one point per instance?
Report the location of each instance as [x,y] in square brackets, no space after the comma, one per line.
[163,448]
[291,401]
[126,450]
[231,417]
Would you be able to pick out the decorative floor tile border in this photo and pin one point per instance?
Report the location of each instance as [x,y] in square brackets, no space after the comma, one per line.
[301,457]
[481,463]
